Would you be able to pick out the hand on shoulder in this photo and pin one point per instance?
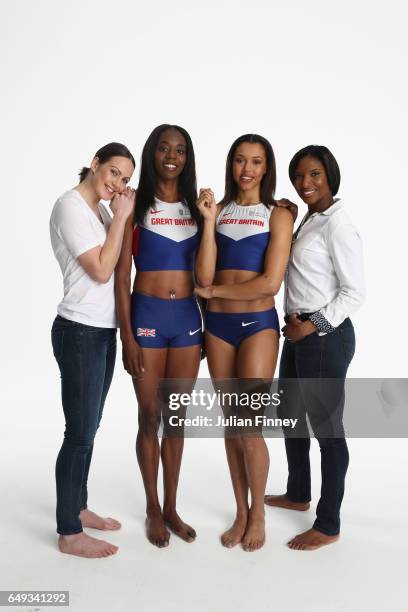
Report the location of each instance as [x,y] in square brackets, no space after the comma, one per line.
[281,217]
[284,203]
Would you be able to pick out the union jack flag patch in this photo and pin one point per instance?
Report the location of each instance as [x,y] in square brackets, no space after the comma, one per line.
[145,331]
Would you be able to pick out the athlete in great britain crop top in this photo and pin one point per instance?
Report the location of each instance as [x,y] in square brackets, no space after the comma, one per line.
[239,268]
[162,326]
[167,240]
[242,236]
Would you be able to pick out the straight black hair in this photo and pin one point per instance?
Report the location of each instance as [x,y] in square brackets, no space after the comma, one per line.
[268,183]
[328,160]
[104,154]
[187,180]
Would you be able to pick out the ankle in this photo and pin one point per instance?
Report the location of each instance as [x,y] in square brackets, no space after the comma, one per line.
[242,513]
[153,510]
[169,509]
[169,503]
[71,537]
[257,512]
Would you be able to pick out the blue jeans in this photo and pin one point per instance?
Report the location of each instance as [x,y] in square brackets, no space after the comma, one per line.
[86,359]
[324,360]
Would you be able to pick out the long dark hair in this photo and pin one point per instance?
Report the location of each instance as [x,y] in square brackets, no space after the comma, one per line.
[268,183]
[113,149]
[326,157]
[187,181]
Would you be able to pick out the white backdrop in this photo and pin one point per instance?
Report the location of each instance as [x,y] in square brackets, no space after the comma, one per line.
[79,74]
[76,75]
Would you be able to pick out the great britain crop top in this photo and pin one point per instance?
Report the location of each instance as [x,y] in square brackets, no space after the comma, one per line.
[242,235]
[167,239]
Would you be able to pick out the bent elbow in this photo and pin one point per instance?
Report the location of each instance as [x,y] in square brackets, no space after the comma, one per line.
[203,279]
[102,277]
[270,287]
[275,288]
[272,291]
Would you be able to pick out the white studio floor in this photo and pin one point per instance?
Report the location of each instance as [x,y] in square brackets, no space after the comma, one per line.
[366,570]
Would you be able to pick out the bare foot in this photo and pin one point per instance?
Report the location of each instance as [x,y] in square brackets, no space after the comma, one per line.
[156,531]
[281,501]
[311,540]
[254,537]
[234,534]
[94,521]
[177,526]
[82,545]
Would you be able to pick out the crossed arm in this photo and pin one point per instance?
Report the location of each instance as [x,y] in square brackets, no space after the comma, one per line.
[276,258]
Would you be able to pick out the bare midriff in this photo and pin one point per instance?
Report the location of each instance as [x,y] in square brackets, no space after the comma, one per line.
[232,277]
[165,284]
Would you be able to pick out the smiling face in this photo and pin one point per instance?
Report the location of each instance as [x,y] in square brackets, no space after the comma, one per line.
[112,176]
[310,182]
[249,166]
[170,155]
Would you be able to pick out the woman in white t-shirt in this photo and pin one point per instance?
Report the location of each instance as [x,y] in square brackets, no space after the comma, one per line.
[86,238]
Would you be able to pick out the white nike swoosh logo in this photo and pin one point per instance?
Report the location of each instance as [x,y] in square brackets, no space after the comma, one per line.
[250,323]
[194,332]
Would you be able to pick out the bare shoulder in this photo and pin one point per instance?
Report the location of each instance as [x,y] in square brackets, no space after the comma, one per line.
[281,217]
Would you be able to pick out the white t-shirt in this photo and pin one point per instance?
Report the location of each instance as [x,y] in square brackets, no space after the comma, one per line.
[75,229]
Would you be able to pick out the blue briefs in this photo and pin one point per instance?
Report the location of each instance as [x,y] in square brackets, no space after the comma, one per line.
[159,323]
[234,327]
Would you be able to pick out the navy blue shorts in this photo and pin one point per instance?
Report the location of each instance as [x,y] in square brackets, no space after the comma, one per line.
[234,327]
[159,323]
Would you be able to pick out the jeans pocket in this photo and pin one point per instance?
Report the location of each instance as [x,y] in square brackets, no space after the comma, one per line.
[57,339]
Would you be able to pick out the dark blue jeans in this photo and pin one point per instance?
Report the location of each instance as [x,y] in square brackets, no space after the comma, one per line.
[323,360]
[86,359]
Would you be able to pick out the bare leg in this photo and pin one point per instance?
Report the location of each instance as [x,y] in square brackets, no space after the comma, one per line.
[221,362]
[181,363]
[236,463]
[147,442]
[256,454]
